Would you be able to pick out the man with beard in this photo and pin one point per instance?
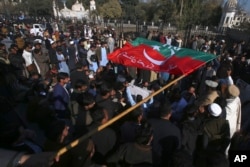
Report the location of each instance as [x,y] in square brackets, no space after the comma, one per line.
[42,58]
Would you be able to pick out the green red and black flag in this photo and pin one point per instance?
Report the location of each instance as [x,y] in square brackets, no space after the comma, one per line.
[155,56]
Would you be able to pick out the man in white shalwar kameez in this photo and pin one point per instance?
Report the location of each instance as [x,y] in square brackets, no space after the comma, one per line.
[92,58]
[102,54]
[233,109]
[28,56]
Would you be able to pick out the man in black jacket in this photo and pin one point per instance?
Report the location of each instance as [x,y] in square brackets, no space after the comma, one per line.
[52,55]
[167,138]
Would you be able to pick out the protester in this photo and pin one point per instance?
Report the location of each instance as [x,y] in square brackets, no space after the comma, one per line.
[138,152]
[216,136]
[61,58]
[92,58]
[77,79]
[42,60]
[233,109]
[167,138]
[61,96]
[30,61]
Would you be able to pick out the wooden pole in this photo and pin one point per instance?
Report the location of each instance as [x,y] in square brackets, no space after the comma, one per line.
[111,121]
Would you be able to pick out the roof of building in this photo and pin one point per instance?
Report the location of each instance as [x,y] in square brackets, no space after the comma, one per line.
[231,5]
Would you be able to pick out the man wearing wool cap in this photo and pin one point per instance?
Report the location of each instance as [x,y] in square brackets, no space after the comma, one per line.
[210,95]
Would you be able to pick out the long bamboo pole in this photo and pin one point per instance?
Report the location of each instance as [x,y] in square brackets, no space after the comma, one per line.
[111,121]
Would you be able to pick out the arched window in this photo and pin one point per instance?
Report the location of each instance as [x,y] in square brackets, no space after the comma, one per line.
[227,19]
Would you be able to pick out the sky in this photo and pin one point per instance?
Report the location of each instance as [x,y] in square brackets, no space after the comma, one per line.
[247,6]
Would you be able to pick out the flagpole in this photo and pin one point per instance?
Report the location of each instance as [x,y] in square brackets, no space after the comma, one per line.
[111,121]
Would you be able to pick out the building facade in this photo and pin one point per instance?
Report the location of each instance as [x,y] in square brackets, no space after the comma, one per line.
[77,10]
[232,16]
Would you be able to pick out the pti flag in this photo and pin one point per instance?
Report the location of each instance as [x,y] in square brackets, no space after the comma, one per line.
[152,55]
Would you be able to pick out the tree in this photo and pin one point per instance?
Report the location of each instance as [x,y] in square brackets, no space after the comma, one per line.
[133,2]
[6,7]
[161,10]
[211,14]
[112,9]
[245,26]
[36,7]
[129,9]
[141,11]
[165,10]
[198,12]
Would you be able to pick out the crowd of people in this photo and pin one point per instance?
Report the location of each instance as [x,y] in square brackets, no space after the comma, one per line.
[56,88]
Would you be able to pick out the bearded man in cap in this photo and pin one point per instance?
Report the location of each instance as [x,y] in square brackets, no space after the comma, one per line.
[42,57]
[215,138]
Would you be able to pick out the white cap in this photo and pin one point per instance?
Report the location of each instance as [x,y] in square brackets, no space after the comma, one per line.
[91,76]
[51,42]
[211,83]
[110,35]
[37,41]
[214,109]
[71,42]
[230,58]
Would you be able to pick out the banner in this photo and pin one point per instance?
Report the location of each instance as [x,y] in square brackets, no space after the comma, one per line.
[152,55]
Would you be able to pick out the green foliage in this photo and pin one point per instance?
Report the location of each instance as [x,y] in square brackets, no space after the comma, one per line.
[192,12]
[198,12]
[111,9]
[161,10]
[245,26]
[130,2]
[165,9]
[131,9]
[141,11]
[176,12]
[36,7]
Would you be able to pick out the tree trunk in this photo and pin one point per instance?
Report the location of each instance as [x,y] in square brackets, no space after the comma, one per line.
[181,10]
